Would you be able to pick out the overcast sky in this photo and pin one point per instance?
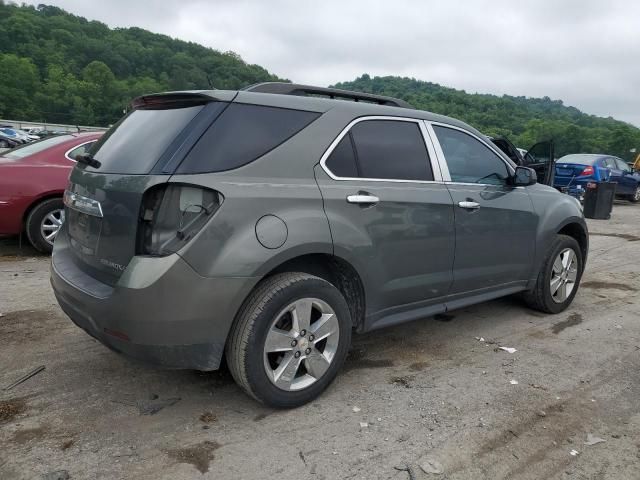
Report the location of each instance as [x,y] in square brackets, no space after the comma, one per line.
[584,52]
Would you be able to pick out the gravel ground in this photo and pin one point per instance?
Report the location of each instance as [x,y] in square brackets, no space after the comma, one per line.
[422,396]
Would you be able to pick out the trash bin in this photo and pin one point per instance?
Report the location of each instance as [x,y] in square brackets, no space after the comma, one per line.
[598,200]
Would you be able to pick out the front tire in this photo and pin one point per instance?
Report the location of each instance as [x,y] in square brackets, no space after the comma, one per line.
[44,223]
[635,196]
[559,277]
[289,339]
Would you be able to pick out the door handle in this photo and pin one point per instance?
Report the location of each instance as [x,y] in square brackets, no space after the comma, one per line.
[469,205]
[363,199]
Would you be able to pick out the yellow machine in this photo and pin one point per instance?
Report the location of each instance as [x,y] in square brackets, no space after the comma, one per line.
[636,164]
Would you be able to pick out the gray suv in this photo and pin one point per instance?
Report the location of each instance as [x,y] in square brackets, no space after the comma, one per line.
[266,225]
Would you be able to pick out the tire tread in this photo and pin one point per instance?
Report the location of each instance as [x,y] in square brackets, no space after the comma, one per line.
[535,298]
[245,321]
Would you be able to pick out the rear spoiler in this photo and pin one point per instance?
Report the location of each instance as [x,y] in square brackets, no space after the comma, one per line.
[181,99]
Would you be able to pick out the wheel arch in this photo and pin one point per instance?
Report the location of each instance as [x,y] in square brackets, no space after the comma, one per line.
[37,201]
[578,232]
[336,271]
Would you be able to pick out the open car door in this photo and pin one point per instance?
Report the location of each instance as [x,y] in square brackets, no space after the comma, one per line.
[540,157]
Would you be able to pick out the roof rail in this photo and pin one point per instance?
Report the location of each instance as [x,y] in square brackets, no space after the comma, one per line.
[283,88]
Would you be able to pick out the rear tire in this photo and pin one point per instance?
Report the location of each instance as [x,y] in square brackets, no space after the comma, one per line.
[543,297]
[42,222]
[265,339]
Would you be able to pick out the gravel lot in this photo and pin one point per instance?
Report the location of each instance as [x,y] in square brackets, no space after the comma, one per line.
[426,394]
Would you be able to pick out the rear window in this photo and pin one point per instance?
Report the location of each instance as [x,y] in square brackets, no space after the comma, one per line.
[242,134]
[138,140]
[36,147]
[578,159]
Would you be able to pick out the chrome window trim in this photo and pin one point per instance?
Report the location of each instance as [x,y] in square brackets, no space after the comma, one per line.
[66,154]
[442,159]
[435,167]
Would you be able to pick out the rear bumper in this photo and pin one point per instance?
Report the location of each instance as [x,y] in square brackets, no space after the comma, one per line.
[160,311]
[564,181]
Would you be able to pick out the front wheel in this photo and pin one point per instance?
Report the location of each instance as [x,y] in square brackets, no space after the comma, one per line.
[635,196]
[559,277]
[290,339]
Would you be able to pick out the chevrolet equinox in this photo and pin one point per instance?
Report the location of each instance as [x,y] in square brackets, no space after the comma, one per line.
[266,225]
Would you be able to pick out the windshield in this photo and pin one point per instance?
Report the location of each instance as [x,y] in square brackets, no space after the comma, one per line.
[579,159]
[36,147]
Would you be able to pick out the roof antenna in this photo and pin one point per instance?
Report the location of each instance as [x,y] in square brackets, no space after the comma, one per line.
[210,82]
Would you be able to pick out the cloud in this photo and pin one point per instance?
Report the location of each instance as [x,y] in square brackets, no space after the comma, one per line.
[582,52]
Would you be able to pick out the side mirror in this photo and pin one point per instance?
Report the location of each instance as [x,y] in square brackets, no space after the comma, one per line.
[524,176]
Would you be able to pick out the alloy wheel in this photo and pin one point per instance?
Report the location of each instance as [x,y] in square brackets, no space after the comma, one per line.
[564,275]
[301,344]
[50,225]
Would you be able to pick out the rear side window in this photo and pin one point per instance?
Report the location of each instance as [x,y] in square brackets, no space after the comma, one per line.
[138,140]
[242,134]
[469,160]
[390,149]
[342,161]
[382,149]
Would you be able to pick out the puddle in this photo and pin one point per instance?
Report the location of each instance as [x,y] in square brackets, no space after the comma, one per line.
[573,320]
[200,455]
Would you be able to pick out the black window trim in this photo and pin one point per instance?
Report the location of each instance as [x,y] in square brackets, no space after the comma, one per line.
[444,167]
[437,175]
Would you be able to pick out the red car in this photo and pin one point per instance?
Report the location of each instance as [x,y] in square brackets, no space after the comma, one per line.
[32,181]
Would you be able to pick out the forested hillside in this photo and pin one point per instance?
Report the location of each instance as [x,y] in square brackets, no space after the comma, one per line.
[524,120]
[59,67]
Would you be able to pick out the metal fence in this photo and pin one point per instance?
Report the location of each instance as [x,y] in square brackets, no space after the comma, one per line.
[48,126]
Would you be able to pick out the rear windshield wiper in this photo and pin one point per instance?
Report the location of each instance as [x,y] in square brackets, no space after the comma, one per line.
[88,159]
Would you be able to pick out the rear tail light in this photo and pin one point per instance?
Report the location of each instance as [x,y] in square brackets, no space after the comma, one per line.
[171,215]
[588,170]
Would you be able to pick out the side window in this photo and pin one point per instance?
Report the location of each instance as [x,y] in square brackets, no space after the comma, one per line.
[609,163]
[390,149]
[81,150]
[622,165]
[242,134]
[342,161]
[469,160]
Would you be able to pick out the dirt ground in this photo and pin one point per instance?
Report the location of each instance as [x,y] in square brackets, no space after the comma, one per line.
[430,392]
